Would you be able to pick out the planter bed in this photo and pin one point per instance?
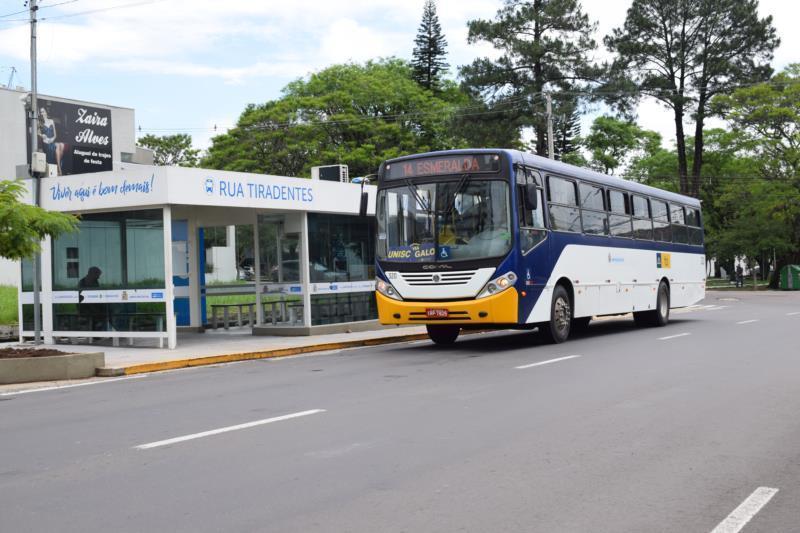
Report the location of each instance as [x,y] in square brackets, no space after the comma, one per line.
[20,365]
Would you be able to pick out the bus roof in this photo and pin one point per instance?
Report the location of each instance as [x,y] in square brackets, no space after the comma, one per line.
[546,164]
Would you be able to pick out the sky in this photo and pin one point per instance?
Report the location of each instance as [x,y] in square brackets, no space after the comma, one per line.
[191,66]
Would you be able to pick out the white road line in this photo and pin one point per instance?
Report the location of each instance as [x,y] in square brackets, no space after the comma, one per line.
[546,362]
[748,321]
[673,336]
[794,313]
[98,382]
[227,429]
[740,516]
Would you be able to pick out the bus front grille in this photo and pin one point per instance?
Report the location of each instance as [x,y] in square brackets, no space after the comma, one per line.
[438,278]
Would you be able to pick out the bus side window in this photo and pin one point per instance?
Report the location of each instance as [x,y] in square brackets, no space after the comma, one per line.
[531,221]
[695,231]
[642,223]
[563,203]
[619,218]
[680,233]
[661,229]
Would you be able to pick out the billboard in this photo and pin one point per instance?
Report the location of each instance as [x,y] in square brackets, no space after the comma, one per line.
[75,138]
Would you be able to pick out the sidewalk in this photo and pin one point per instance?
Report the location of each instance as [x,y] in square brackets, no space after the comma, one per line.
[213,347]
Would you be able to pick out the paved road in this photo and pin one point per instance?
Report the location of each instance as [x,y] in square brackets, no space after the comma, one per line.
[636,434]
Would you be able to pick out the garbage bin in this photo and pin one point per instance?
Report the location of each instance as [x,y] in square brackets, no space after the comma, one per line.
[790,278]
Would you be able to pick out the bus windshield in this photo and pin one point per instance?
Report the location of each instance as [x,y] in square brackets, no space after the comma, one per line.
[466,218]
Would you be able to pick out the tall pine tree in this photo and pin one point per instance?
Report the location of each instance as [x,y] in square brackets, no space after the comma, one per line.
[429,49]
[544,45]
[567,131]
[683,53]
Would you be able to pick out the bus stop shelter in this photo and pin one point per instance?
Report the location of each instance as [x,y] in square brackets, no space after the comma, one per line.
[137,266]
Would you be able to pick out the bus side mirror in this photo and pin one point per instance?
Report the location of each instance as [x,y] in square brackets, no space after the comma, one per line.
[531,197]
[362,210]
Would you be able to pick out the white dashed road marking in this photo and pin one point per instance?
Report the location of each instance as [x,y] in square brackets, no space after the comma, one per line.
[740,516]
[794,313]
[748,321]
[72,385]
[673,336]
[547,362]
[227,429]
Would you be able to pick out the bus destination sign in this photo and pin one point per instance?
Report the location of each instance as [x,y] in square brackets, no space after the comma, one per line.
[443,165]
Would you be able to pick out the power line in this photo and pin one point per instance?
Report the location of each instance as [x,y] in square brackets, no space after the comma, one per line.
[99,10]
[80,13]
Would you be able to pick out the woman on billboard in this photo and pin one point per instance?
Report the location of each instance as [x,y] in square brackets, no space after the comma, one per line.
[54,150]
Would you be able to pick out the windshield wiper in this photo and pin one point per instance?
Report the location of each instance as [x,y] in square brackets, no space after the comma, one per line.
[462,183]
[417,197]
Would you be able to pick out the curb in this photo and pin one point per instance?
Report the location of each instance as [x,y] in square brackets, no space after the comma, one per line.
[247,356]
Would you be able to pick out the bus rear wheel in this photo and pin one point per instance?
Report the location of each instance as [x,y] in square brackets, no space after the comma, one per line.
[441,334]
[557,329]
[660,315]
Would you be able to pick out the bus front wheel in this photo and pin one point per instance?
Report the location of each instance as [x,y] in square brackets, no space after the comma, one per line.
[443,334]
[557,329]
[660,315]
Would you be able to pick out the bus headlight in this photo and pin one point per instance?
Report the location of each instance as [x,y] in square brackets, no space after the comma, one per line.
[498,284]
[387,289]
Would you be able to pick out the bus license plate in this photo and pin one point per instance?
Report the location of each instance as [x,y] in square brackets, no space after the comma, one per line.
[437,313]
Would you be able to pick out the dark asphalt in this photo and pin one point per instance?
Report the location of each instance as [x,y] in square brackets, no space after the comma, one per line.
[636,435]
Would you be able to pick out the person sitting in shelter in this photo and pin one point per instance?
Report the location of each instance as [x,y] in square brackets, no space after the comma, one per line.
[96,313]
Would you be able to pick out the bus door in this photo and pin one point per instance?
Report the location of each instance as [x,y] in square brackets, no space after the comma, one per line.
[532,233]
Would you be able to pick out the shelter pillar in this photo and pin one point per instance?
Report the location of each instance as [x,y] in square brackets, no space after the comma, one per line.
[305,271]
[46,273]
[195,298]
[257,269]
[169,289]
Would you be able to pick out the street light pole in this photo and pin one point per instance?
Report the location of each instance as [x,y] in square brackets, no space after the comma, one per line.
[549,100]
[37,260]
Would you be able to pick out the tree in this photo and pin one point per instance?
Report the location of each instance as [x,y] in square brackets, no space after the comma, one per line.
[429,49]
[353,114]
[766,119]
[567,132]
[683,52]
[24,226]
[544,45]
[171,150]
[613,142]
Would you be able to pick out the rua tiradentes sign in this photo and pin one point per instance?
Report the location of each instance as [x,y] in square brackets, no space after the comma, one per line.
[75,138]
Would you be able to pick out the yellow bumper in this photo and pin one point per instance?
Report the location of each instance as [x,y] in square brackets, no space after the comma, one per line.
[497,309]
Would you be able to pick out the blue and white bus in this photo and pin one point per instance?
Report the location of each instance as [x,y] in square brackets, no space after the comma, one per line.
[504,239]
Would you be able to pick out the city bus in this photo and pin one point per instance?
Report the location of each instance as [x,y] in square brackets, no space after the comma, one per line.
[480,239]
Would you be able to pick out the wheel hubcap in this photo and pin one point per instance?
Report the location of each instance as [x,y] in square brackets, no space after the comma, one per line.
[662,308]
[561,314]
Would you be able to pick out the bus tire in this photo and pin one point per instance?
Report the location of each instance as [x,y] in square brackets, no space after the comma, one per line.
[443,334]
[660,315]
[556,330]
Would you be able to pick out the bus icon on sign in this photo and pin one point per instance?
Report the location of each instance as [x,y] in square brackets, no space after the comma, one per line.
[209,185]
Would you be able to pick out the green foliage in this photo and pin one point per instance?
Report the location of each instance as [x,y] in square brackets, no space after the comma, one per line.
[430,49]
[766,118]
[684,52]
[8,305]
[567,132]
[543,45]
[761,212]
[358,115]
[24,226]
[612,142]
[171,150]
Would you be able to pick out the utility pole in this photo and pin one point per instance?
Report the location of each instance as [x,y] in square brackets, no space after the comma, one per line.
[549,100]
[37,260]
